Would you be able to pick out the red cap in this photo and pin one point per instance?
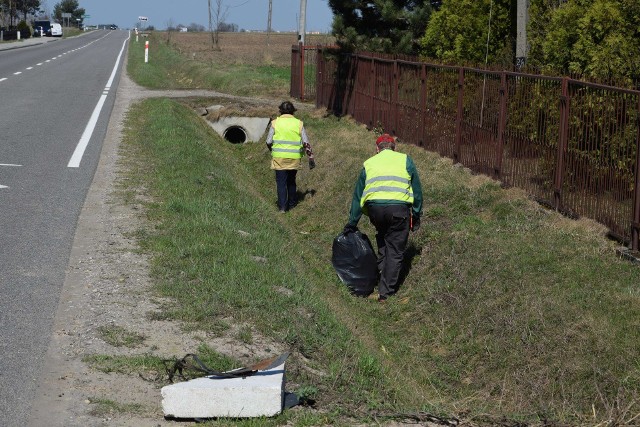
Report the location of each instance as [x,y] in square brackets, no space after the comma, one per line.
[385,137]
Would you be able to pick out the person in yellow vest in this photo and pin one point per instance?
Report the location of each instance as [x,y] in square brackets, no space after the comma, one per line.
[287,140]
[389,192]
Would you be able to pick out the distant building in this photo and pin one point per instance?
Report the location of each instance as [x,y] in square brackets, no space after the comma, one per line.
[183,29]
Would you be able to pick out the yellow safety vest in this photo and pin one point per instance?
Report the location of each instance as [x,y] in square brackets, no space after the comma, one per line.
[287,139]
[387,178]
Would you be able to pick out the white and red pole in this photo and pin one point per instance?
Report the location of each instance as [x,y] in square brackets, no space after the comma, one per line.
[146,51]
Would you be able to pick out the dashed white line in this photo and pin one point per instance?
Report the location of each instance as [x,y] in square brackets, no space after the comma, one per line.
[9,164]
[39,64]
[3,79]
[17,73]
[29,68]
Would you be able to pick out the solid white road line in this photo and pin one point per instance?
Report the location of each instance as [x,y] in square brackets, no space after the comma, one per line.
[76,158]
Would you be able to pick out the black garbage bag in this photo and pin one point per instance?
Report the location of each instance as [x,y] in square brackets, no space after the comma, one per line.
[355,262]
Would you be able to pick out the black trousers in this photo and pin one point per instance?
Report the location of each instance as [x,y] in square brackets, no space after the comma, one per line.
[286,188]
[392,234]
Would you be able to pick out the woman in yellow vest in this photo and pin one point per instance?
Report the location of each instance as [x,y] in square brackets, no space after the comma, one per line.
[287,141]
[389,192]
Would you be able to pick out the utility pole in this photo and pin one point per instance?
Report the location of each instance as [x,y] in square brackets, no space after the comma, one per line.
[269,22]
[302,23]
[522,45]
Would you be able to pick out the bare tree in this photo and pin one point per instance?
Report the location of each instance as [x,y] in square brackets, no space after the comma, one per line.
[170,29]
[217,16]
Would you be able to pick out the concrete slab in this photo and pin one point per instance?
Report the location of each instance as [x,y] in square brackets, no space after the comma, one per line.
[259,395]
[253,127]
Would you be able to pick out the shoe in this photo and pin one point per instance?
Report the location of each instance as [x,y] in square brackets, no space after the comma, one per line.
[283,211]
[382,298]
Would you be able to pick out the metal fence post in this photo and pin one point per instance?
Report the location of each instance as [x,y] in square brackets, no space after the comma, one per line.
[301,62]
[635,224]
[565,105]
[394,98]
[319,74]
[372,90]
[502,124]
[460,112]
[423,103]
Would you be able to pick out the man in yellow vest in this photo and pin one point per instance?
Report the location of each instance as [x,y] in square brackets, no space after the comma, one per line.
[287,141]
[389,192]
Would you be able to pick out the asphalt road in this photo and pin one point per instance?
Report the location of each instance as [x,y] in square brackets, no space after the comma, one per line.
[55,102]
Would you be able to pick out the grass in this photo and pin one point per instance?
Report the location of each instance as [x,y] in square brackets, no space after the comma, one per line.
[118,336]
[508,311]
[104,407]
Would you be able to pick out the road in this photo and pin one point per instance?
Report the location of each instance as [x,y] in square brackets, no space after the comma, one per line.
[55,102]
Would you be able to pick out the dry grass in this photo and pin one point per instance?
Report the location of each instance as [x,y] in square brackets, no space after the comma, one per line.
[241,48]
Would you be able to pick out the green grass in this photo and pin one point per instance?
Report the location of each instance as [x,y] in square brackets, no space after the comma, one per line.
[118,336]
[508,311]
[104,407]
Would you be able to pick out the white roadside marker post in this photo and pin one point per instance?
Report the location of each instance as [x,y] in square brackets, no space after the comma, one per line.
[146,51]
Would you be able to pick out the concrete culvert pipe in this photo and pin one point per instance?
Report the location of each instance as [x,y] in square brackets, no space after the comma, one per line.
[235,135]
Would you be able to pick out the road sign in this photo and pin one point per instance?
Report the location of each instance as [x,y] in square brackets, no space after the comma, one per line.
[142,18]
[86,16]
[66,15]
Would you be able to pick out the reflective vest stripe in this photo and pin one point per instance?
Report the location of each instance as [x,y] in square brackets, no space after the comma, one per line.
[387,178]
[389,190]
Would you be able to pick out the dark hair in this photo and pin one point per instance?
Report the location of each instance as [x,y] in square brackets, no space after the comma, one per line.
[287,108]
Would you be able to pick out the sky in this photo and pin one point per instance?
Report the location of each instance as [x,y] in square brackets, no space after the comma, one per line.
[246,14]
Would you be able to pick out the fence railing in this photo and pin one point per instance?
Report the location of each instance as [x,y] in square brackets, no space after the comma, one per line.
[304,71]
[572,145]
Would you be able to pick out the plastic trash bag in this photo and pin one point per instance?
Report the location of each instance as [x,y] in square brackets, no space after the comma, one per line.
[355,262]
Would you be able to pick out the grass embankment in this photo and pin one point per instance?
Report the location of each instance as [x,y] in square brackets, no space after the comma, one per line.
[509,311]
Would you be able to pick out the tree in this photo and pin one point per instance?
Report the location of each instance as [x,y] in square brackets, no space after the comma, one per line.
[68,6]
[592,38]
[471,30]
[391,26]
[27,7]
[217,15]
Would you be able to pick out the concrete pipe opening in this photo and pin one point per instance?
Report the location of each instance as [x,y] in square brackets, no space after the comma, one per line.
[235,135]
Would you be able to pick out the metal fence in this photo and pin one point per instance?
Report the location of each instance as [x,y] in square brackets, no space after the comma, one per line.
[572,145]
[304,71]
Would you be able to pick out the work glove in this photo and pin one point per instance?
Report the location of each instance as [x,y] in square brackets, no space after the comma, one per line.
[350,228]
[415,223]
[312,163]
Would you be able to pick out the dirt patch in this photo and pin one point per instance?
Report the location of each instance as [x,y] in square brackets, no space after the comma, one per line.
[240,48]
[108,285]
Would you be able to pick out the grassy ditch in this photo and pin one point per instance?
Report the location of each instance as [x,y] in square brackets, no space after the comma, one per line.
[508,310]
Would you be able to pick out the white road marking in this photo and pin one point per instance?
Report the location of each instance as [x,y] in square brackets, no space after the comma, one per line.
[3,79]
[17,73]
[7,164]
[39,63]
[29,68]
[76,158]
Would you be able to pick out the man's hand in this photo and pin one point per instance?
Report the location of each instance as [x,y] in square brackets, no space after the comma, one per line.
[415,223]
[350,228]
[312,163]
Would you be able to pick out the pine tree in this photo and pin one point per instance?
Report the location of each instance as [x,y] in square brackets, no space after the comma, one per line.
[390,26]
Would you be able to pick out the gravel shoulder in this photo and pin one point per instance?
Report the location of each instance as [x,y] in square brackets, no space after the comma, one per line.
[107,284]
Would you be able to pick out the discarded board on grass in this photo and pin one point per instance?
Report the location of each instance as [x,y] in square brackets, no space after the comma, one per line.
[258,394]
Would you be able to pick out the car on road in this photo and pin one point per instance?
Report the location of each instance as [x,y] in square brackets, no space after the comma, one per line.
[41,28]
[56,30]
